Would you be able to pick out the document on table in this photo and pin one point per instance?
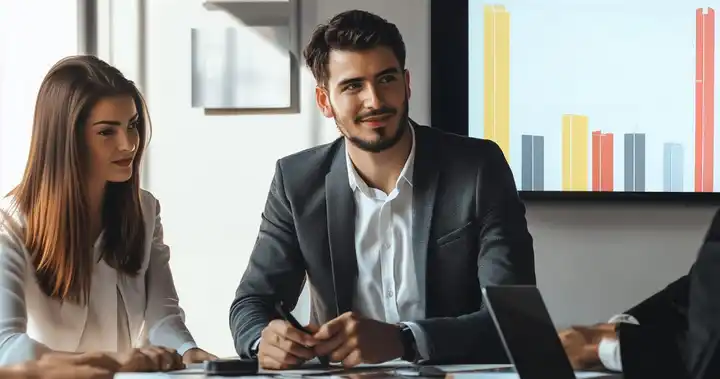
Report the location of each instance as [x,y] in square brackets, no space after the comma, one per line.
[314,368]
[449,369]
[514,375]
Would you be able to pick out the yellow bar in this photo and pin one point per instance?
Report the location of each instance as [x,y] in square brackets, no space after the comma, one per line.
[574,152]
[497,76]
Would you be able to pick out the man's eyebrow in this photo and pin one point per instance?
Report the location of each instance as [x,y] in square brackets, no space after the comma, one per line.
[391,70]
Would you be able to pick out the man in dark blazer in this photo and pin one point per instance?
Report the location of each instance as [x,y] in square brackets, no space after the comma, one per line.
[396,226]
[674,333]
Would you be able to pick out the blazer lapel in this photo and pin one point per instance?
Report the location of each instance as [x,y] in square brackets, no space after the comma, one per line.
[425,179]
[341,231]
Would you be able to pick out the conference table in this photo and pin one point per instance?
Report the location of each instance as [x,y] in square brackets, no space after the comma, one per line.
[393,369]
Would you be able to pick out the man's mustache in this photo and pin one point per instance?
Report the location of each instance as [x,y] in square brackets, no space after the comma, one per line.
[385,111]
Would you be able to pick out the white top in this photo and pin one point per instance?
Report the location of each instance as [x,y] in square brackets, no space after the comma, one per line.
[391,276]
[122,312]
[123,328]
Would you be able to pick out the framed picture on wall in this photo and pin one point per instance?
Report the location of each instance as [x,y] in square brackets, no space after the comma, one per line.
[241,67]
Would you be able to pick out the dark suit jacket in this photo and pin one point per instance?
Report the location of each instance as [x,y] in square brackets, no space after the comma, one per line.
[680,325]
[466,215]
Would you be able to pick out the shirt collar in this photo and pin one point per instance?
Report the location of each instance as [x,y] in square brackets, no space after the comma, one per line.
[356,182]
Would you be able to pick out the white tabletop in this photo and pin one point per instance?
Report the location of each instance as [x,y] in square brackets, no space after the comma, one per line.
[394,368]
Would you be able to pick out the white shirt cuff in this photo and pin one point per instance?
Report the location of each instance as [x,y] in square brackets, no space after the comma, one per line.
[609,350]
[186,346]
[421,341]
[623,318]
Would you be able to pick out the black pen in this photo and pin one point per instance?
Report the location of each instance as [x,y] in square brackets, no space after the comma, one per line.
[287,316]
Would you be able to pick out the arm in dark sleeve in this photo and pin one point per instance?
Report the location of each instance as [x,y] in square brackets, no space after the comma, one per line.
[678,325]
[506,257]
[668,306]
[703,337]
[701,350]
[276,271]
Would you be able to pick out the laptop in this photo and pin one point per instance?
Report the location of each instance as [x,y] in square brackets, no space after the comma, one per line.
[528,334]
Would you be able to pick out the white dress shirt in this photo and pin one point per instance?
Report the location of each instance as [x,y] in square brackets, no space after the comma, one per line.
[122,312]
[609,350]
[391,276]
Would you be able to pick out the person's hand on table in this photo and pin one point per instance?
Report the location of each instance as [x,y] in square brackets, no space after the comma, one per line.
[282,346]
[150,359]
[581,344]
[197,355]
[352,340]
[66,366]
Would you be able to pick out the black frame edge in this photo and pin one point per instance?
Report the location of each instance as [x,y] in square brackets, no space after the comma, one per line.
[449,108]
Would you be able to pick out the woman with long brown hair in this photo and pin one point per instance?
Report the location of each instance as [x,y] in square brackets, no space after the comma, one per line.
[83,265]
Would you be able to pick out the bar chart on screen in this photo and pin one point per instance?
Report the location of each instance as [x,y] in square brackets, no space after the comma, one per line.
[602,96]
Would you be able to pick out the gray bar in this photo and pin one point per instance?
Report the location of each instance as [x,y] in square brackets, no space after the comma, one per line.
[677,168]
[672,167]
[628,163]
[667,167]
[539,163]
[639,162]
[527,163]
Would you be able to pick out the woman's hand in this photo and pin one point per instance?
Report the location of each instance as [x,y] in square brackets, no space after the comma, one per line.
[150,359]
[197,355]
[66,366]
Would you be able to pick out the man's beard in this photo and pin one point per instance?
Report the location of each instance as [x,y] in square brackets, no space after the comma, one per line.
[384,142]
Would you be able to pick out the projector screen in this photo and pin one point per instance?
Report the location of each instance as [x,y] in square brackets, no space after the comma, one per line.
[605,96]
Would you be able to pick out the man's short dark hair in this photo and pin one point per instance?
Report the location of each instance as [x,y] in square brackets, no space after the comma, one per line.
[353,30]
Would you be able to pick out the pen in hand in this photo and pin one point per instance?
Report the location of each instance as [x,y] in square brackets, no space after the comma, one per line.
[287,316]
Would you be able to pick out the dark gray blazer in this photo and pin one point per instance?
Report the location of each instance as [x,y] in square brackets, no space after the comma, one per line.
[467,216]
[679,325]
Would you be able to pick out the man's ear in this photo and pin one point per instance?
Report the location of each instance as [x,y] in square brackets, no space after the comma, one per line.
[323,101]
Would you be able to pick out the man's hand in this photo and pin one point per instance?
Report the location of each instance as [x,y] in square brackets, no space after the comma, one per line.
[282,346]
[581,344]
[353,340]
[150,359]
[67,366]
[197,355]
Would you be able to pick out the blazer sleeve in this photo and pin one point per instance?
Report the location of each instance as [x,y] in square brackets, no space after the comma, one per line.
[666,307]
[163,315]
[670,305]
[505,257]
[506,254]
[15,344]
[658,336]
[275,272]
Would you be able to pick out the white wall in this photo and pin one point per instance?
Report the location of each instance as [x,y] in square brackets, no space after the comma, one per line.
[594,260]
[27,52]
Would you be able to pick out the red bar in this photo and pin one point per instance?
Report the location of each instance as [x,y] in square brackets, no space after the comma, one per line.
[606,162]
[704,99]
[602,161]
[698,98]
[709,100]
[596,135]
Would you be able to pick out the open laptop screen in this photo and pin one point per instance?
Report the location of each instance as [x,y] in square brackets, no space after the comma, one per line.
[527,331]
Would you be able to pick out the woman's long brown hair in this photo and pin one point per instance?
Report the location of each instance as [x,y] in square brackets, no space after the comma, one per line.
[52,194]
